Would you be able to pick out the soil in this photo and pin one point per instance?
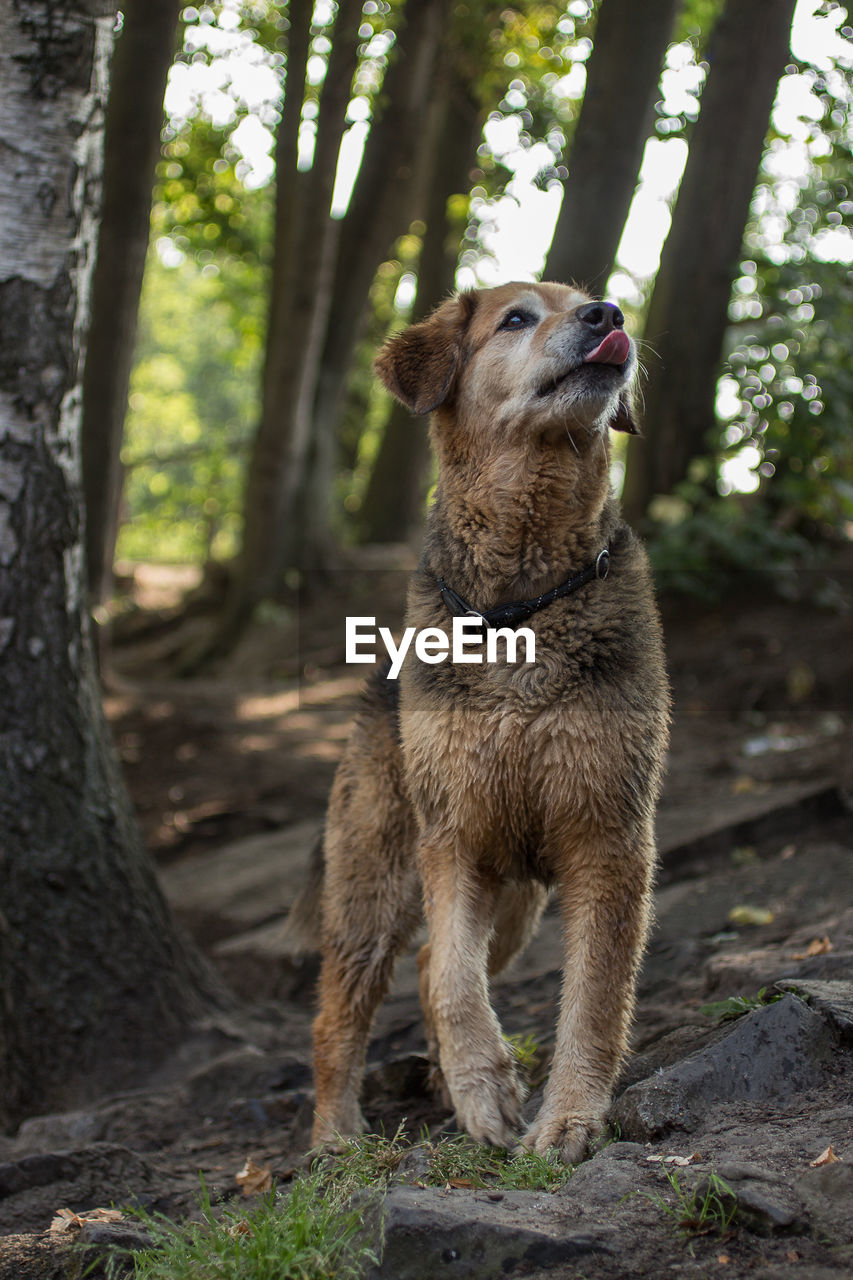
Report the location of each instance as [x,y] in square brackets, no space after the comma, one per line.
[229,772]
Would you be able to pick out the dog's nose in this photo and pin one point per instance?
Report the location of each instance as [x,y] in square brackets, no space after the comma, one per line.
[601,317]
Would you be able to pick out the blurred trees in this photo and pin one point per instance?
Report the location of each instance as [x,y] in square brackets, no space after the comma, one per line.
[144,52]
[464,111]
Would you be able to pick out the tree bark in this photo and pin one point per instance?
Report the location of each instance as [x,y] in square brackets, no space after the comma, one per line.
[389,194]
[305,253]
[688,313]
[615,121]
[393,505]
[94,981]
[143,55]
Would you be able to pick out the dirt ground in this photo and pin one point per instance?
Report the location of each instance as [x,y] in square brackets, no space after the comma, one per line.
[229,769]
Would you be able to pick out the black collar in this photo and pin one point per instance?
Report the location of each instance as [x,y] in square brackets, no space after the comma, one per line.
[505,615]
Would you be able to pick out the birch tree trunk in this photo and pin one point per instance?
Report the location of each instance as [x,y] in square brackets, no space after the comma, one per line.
[94,981]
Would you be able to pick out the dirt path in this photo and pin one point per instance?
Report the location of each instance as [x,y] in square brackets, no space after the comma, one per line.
[230,776]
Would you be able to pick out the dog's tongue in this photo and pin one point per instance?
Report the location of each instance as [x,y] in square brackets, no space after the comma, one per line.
[611,350]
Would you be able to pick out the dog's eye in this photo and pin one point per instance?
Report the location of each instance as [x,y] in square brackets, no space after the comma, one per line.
[516,319]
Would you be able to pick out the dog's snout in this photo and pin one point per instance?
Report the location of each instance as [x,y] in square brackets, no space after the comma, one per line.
[601,317]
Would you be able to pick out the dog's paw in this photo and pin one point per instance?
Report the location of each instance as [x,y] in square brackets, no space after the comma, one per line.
[488,1105]
[569,1135]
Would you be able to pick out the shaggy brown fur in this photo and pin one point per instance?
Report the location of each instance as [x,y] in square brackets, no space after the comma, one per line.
[488,785]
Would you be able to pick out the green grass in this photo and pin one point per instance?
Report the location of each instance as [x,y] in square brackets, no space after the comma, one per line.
[306,1233]
[311,1231]
[708,1206]
[370,1160]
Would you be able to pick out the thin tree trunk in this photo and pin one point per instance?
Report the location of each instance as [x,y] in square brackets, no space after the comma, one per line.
[305,252]
[688,313]
[141,62]
[394,500]
[94,981]
[615,121]
[386,198]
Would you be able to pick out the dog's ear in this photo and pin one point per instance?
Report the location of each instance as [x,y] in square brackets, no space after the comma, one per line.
[626,417]
[419,365]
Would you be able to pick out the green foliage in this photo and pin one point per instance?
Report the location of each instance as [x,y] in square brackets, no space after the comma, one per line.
[371,1160]
[707,1206]
[305,1233]
[191,409]
[736,1006]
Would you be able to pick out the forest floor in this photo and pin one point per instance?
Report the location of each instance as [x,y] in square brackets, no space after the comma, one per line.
[230,774]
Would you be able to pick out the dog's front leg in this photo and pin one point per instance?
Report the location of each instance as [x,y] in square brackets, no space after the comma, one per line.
[605,902]
[477,1064]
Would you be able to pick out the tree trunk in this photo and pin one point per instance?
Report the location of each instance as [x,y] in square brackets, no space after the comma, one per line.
[394,500]
[615,121]
[305,252]
[688,313]
[141,62]
[388,195]
[94,981]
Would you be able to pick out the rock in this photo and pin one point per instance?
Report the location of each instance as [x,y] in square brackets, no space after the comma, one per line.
[828,1195]
[832,1000]
[428,1233]
[773,1055]
[766,1203]
[34,1187]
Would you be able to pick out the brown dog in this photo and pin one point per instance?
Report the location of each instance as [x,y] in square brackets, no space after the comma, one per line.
[482,785]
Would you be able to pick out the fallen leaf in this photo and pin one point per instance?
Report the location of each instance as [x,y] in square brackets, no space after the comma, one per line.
[253,1179]
[750,915]
[68,1220]
[723,1258]
[788,852]
[459,1182]
[743,785]
[792,1256]
[240,1228]
[826,1157]
[65,1220]
[680,1161]
[817,947]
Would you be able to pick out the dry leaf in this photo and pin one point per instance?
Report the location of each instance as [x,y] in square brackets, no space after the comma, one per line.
[788,852]
[792,1255]
[743,785]
[825,1157]
[817,947]
[240,1228]
[65,1220]
[253,1179]
[680,1161]
[459,1182]
[68,1220]
[723,1258]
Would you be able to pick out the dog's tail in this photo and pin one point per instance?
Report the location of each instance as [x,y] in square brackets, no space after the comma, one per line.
[303,927]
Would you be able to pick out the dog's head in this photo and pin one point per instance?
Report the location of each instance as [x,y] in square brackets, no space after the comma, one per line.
[532,358]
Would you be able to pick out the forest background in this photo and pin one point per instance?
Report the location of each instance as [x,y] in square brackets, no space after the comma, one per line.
[686,159]
[270,265]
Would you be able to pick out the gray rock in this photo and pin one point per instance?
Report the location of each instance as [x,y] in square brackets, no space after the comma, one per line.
[771,1055]
[428,1233]
[832,1000]
[828,1195]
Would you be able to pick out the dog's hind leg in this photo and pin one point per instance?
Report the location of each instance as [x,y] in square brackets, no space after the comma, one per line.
[477,1064]
[364,931]
[371,907]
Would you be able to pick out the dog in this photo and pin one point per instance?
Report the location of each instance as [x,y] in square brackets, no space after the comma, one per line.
[469,791]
